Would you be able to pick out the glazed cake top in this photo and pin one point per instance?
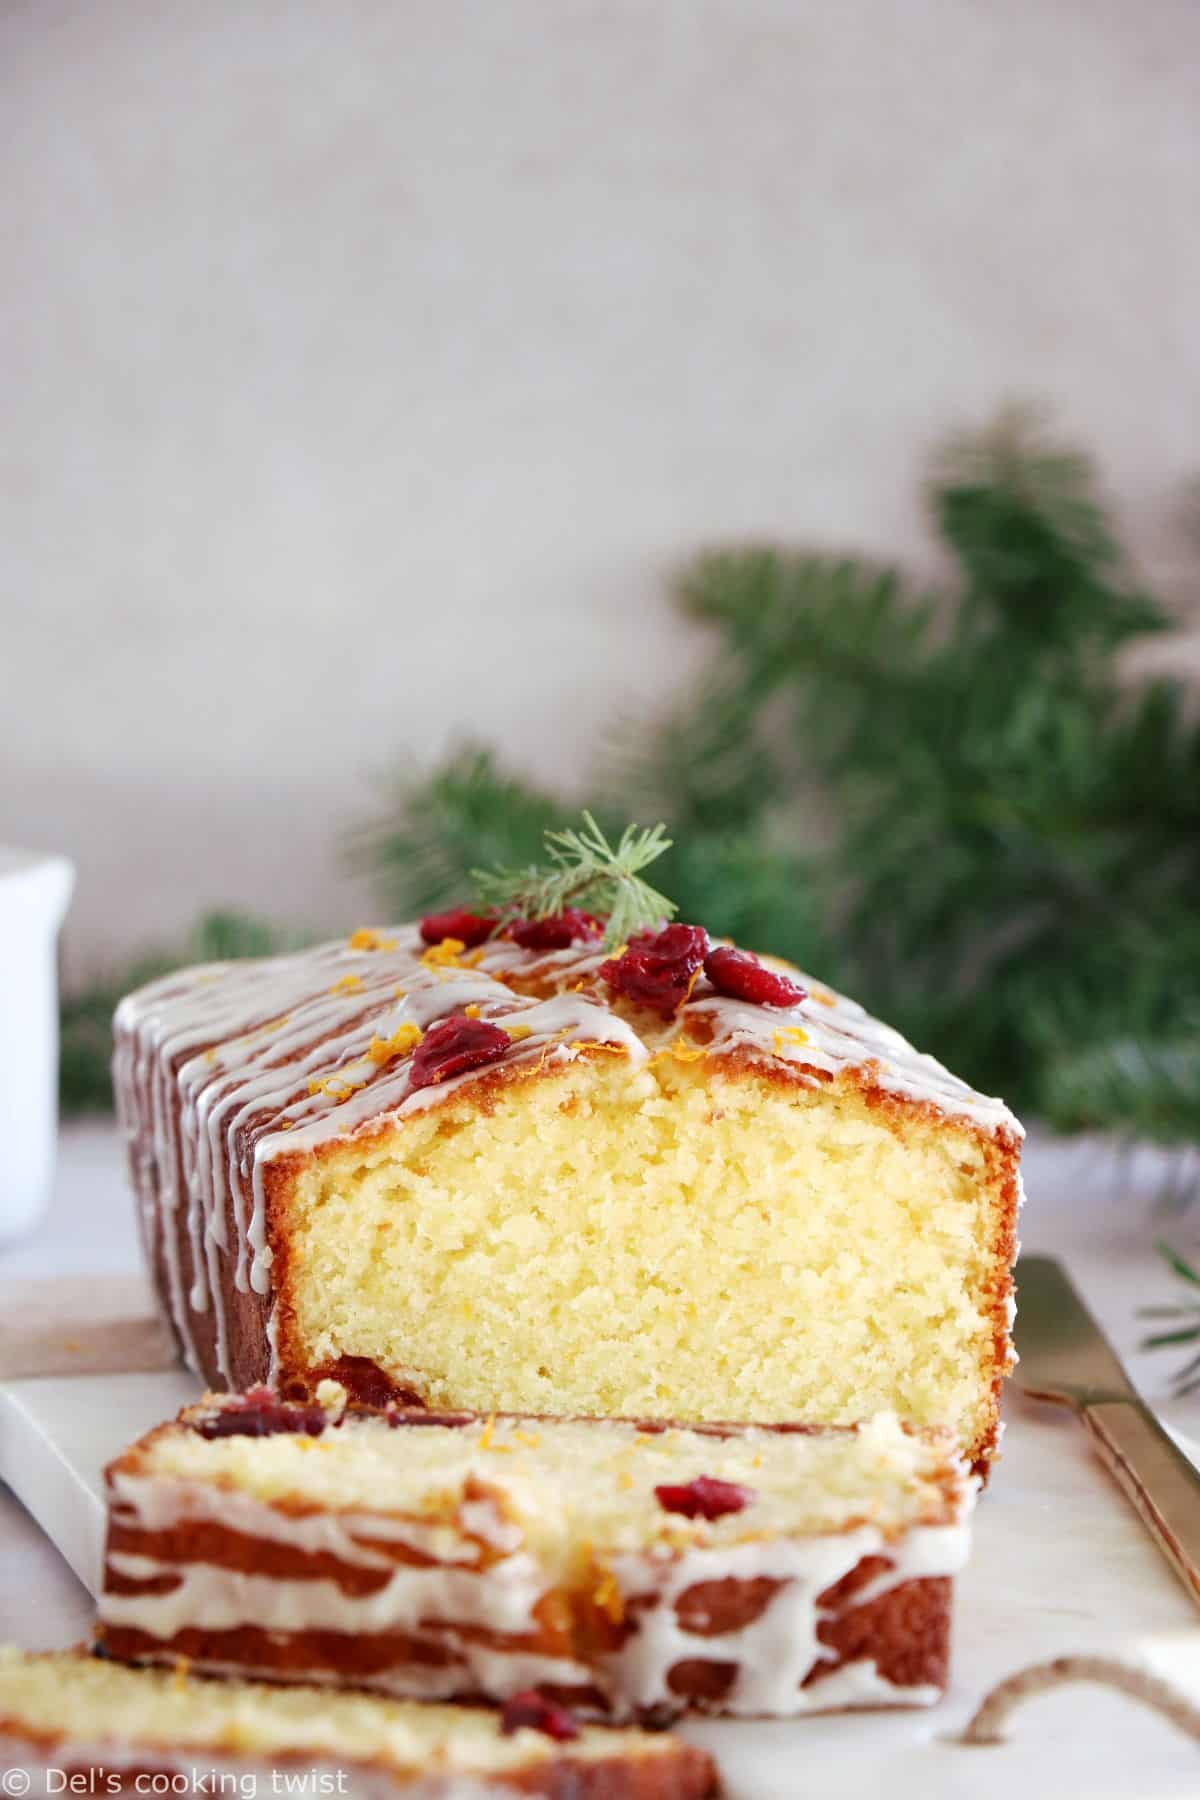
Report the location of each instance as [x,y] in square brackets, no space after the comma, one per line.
[310,1047]
[612,1483]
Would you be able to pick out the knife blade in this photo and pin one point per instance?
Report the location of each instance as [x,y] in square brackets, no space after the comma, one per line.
[1065,1358]
[1064,1354]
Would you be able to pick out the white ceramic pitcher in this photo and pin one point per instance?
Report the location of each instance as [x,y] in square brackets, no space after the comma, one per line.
[34,894]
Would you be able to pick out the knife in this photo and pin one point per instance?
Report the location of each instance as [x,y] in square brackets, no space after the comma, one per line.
[1065,1357]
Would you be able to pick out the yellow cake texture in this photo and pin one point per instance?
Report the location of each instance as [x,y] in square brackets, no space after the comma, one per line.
[568,1485]
[124,1730]
[728,1210]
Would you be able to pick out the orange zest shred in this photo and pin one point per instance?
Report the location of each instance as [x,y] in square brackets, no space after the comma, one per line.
[488,1432]
[679,1050]
[347,984]
[444,955]
[336,1086]
[821,997]
[606,1596]
[530,1438]
[366,938]
[470,1012]
[789,1034]
[402,1040]
[516,1032]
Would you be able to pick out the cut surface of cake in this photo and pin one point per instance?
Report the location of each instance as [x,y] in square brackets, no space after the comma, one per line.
[116,1730]
[626,1569]
[672,1180]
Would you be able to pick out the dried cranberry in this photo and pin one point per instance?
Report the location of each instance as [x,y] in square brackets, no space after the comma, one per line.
[468,927]
[557,932]
[260,1413]
[704,1498]
[743,977]
[534,1711]
[658,967]
[455,1045]
[367,1384]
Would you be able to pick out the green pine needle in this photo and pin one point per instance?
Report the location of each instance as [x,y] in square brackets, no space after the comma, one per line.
[1187,1378]
[1181,1266]
[1186,1334]
[585,870]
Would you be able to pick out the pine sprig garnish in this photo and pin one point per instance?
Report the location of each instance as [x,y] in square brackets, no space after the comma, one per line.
[586,871]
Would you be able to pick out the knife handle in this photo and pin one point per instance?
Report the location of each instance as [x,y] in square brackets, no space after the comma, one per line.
[1162,1484]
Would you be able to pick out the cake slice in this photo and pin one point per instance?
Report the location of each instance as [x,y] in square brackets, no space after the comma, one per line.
[626,1569]
[492,1162]
[74,1724]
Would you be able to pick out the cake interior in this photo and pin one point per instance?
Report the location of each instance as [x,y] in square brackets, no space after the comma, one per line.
[663,1242]
[571,1486]
[94,1702]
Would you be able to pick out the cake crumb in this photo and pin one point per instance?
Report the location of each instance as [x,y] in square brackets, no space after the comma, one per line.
[332,1396]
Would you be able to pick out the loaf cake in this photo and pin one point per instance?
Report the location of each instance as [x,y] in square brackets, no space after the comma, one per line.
[74,1724]
[626,1569]
[468,1166]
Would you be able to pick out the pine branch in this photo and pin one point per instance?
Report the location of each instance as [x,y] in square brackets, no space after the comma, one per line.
[584,870]
[1149,1089]
[1187,1378]
[789,616]
[1036,544]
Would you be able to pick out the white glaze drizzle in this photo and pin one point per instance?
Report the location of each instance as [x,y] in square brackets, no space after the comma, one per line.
[836,1035]
[213,1065]
[775,1651]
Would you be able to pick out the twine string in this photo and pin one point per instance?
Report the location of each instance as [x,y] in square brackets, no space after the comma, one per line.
[997,1708]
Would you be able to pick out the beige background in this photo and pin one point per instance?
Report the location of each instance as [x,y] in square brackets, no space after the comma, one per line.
[366,368]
